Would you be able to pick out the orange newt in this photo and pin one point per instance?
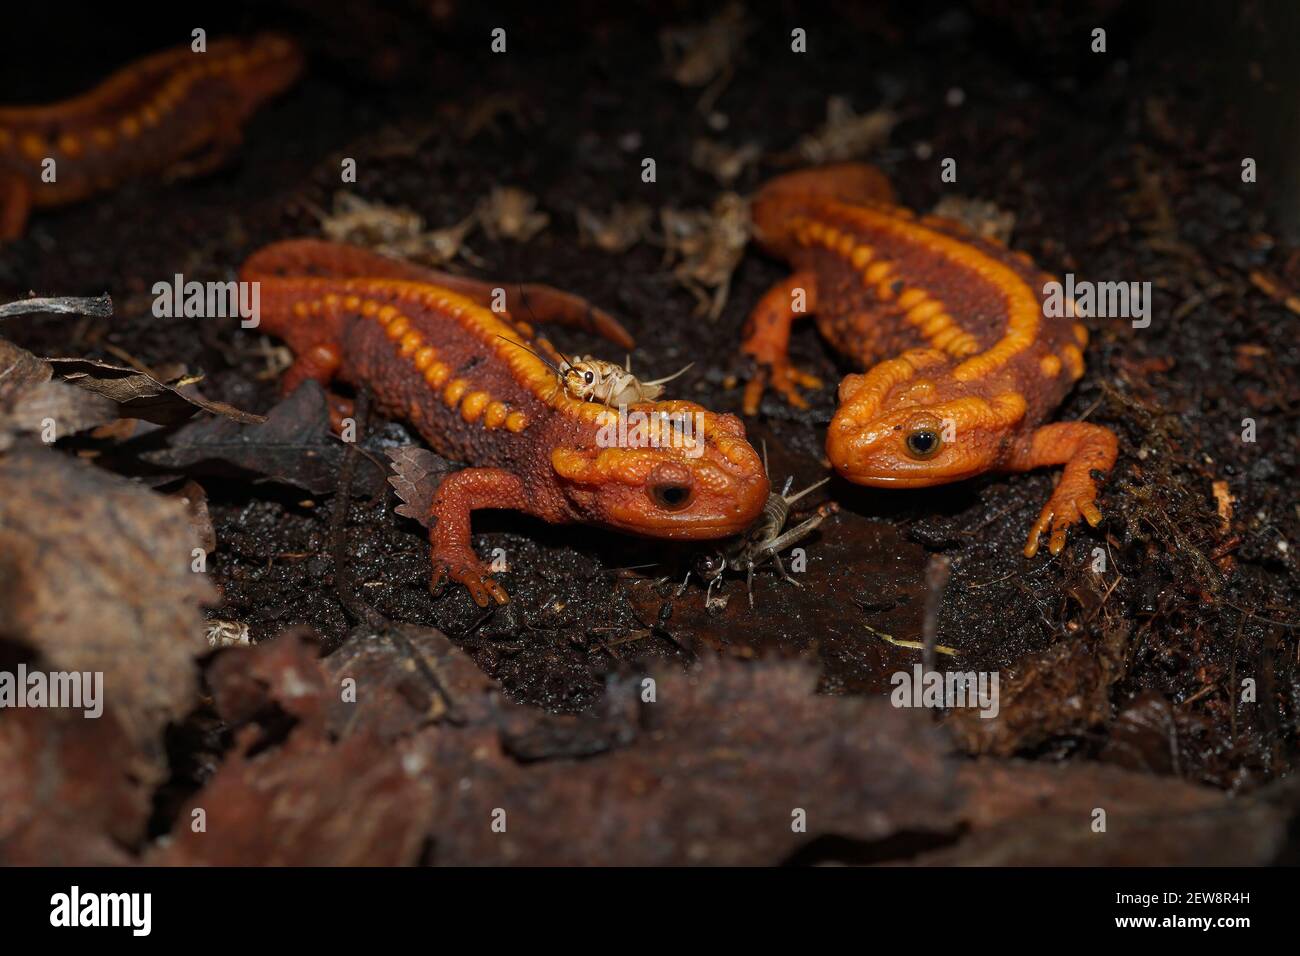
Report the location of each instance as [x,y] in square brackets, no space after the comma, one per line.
[474,384]
[963,367]
[178,112]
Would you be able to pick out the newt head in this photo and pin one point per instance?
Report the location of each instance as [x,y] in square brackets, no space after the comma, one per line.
[665,470]
[259,67]
[908,423]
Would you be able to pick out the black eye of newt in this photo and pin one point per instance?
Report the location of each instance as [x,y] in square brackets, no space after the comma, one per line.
[923,443]
[589,377]
[671,497]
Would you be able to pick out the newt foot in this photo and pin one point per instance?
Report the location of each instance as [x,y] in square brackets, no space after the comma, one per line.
[784,379]
[1061,511]
[482,587]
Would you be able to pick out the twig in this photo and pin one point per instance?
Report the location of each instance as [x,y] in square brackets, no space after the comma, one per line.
[338,524]
[99,306]
[910,645]
[936,580]
[354,606]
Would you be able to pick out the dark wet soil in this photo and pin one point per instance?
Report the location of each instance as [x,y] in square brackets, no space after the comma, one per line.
[1116,167]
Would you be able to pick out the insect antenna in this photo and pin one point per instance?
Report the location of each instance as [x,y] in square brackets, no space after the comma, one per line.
[669,378]
[559,374]
[541,358]
[800,494]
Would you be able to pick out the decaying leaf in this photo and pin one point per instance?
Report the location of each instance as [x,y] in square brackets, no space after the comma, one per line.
[418,472]
[308,803]
[406,677]
[139,395]
[196,508]
[293,445]
[981,217]
[845,134]
[31,403]
[284,671]
[1028,814]
[508,212]
[396,231]
[724,163]
[398,741]
[707,245]
[307,800]
[705,54]
[1061,691]
[74,791]
[96,575]
[20,371]
[617,231]
[730,759]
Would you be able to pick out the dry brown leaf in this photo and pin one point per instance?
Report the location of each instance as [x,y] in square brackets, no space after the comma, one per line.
[29,400]
[305,800]
[95,575]
[196,507]
[293,445]
[139,395]
[72,789]
[418,472]
[309,802]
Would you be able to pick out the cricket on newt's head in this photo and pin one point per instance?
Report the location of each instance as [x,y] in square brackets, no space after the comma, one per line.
[908,423]
[706,484]
[665,469]
[596,380]
[590,379]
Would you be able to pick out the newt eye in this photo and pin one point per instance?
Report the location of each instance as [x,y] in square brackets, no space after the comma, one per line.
[589,377]
[923,443]
[671,497]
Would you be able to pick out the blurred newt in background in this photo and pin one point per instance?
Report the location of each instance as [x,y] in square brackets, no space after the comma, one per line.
[177,113]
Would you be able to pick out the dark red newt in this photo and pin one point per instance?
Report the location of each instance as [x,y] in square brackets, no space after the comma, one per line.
[177,112]
[424,344]
[963,366]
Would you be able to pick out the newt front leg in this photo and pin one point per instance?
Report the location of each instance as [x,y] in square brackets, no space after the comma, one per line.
[1082,449]
[767,339]
[453,554]
[320,363]
[214,155]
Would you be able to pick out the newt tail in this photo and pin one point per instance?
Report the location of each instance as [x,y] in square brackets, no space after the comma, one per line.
[963,366]
[474,384]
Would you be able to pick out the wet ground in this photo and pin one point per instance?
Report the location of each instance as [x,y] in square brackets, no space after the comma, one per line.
[1115,167]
